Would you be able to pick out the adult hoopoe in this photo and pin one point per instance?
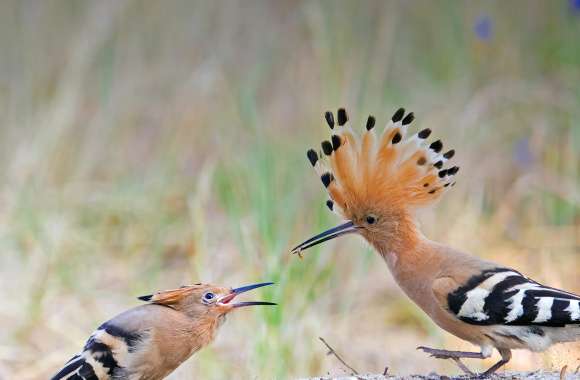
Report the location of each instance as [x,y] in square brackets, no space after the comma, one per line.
[149,341]
[375,182]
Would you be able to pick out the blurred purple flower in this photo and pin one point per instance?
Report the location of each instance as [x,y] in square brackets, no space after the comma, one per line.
[522,153]
[574,6]
[483,27]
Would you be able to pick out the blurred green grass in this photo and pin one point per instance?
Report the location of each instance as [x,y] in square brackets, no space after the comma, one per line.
[147,145]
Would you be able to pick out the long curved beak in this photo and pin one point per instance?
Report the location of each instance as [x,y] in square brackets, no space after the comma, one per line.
[242,289]
[346,228]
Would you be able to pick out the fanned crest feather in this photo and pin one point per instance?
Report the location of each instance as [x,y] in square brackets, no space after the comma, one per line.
[388,168]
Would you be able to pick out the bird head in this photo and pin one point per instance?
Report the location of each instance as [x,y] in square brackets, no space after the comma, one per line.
[204,299]
[376,181]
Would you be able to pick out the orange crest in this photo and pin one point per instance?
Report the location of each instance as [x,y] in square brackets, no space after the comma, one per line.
[170,297]
[385,169]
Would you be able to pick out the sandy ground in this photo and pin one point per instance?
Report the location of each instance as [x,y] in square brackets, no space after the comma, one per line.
[535,375]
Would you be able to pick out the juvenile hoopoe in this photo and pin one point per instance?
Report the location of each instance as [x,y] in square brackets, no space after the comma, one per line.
[149,341]
[376,182]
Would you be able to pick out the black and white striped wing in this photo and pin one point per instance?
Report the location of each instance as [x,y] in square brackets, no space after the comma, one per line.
[103,355]
[502,296]
[77,368]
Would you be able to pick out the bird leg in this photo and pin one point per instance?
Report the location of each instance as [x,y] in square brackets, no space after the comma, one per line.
[456,356]
[453,355]
[506,355]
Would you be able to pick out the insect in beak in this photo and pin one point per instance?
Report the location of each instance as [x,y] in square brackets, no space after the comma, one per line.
[346,228]
[225,300]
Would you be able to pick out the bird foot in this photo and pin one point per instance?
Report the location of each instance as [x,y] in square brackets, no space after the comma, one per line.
[445,354]
[456,356]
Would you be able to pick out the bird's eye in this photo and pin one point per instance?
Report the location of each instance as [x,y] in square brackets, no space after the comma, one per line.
[209,296]
[371,219]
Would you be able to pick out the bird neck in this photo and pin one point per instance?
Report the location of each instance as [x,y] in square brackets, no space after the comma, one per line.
[406,249]
[203,329]
[399,235]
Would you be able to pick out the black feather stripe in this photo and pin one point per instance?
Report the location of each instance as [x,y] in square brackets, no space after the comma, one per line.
[560,292]
[497,302]
[554,293]
[77,370]
[130,338]
[88,373]
[101,353]
[530,310]
[71,366]
[559,312]
[458,297]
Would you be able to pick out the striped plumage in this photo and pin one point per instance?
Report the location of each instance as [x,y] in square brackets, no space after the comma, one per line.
[103,355]
[148,342]
[376,182]
[503,296]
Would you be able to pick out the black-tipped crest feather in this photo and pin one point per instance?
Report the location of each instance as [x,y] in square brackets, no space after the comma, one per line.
[398,115]
[342,116]
[436,146]
[424,133]
[335,142]
[312,156]
[408,119]
[370,122]
[326,178]
[329,119]
[326,147]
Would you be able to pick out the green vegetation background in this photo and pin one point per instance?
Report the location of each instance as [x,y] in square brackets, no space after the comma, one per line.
[146,145]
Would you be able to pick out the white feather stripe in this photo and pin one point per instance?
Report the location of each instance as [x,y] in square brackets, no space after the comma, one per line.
[117,345]
[492,281]
[475,298]
[390,126]
[404,129]
[544,306]
[75,373]
[98,367]
[574,310]
[516,308]
[473,305]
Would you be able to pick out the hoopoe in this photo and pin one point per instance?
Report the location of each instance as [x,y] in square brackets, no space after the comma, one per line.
[149,341]
[376,182]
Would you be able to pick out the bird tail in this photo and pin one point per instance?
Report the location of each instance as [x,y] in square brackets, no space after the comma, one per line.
[384,167]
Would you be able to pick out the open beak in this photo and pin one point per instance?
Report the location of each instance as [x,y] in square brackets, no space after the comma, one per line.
[346,228]
[225,300]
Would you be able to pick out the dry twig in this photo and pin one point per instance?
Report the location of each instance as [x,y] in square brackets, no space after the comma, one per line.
[332,352]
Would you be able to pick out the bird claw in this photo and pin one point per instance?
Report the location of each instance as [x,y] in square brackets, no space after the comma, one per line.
[445,354]
[436,353]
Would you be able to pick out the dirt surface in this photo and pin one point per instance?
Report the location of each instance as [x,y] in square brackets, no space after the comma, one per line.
[536,375]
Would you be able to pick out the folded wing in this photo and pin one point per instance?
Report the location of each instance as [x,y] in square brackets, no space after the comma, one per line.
[502,296]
